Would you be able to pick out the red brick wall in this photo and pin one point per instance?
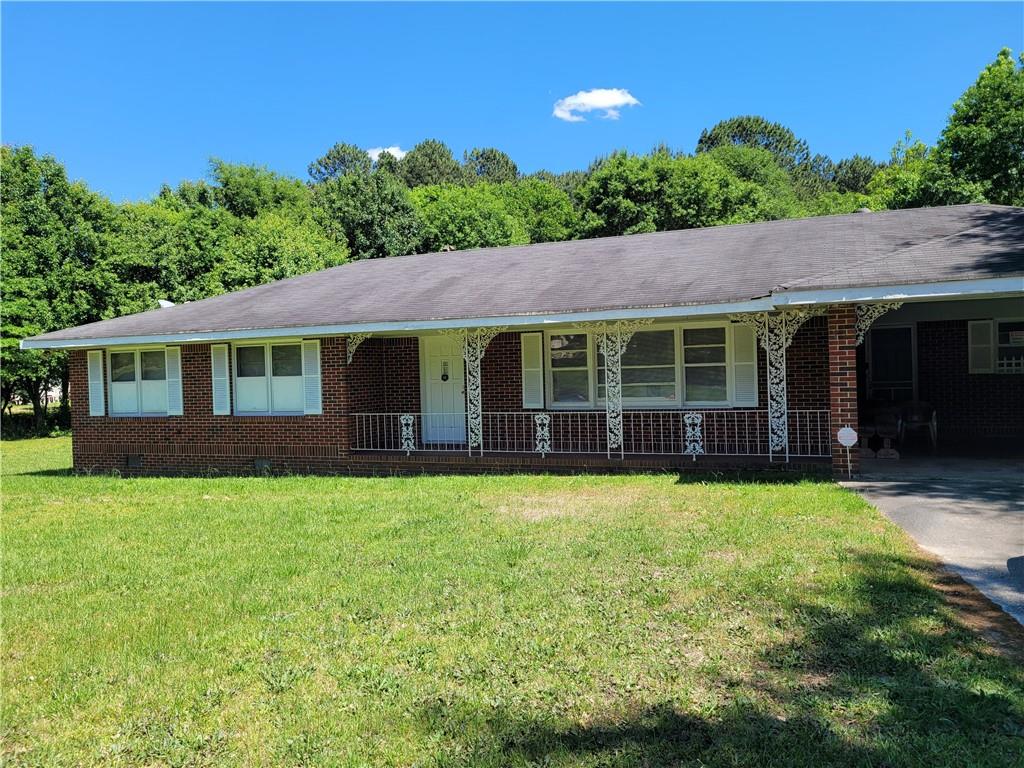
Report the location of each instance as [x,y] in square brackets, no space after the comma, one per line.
[806,367]
[968,405]
[384,377]
[842,381]
[198,441]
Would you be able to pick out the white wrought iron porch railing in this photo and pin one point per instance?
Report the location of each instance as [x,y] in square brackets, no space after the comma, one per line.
[712,432]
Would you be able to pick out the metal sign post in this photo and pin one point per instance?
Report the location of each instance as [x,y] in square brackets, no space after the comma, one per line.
[847,437]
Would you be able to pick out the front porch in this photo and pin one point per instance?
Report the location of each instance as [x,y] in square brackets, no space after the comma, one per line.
[729,391]
[757,389]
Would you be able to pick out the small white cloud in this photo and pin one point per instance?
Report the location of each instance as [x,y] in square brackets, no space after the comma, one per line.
[608,100]
[375,152]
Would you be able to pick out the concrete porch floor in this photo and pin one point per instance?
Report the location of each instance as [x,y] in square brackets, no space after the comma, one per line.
[967,511]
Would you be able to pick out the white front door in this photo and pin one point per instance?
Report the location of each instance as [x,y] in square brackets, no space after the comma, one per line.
[444,390]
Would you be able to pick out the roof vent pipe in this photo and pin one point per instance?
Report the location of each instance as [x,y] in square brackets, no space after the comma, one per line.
[164,303]
[863,210]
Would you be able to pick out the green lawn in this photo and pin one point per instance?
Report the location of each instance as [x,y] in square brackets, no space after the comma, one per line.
[613,621]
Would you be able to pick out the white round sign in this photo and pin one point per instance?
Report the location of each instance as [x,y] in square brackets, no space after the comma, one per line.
[847,437]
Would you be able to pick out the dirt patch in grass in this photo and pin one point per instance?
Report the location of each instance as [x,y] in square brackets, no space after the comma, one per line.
[572,502]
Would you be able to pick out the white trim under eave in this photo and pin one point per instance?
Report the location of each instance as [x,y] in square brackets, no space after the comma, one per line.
[993,287]
[534,321]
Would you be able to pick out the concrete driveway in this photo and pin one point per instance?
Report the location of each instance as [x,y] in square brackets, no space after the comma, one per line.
[968,512]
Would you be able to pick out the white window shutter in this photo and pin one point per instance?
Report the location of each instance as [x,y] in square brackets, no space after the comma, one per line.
[532,352]
[95,365]
[221,381]
[311,377]
[980,346]
[175,401]
[744,366]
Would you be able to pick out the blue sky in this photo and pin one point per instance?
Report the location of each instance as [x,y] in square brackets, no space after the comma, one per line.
[132,96]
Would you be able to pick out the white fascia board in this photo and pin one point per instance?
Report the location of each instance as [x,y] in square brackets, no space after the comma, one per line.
[993,286]
[536,321]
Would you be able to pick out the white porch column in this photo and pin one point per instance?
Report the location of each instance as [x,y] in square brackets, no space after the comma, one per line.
[612,339]
[474,344]
[776,330]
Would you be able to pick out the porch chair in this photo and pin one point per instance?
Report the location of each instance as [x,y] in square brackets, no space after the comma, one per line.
[919,415]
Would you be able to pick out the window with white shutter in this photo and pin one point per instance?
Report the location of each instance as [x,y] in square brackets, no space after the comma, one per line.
[311,377]
[980,346]
[172,367]
[221,381]
[744,366]
[95,366]
[532,354]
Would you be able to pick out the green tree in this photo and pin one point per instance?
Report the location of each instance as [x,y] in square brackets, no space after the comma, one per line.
[248,190]
[455,217]
[776,193]
[273,246]
[545,211]
[55,237]
[915,177]
[620,196]
[854,173]
[371,213]
[489,164]
[338,161]
[755,131]
[430,162]
[983,142]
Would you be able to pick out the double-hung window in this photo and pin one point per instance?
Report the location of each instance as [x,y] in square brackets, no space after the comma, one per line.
[145,382]
[995,346]
[570,369]
[1009,346]
[675,366]
[705,366]
[268,379]
[648,369]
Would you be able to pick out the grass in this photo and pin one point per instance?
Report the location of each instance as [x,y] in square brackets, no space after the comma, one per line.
[583,621]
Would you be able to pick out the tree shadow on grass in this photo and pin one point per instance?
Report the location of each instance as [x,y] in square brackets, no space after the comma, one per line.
[61,472]
[885,676]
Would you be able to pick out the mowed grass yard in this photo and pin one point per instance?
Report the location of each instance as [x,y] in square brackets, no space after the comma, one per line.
[442,621]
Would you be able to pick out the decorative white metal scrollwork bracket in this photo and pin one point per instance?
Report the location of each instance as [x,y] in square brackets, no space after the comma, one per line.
[407,422]
[868,313]
[352,342]
[775,331]
[474,344]
[542,433]
[612,340]
[694,437]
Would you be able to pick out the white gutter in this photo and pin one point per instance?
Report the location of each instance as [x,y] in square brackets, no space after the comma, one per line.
[1005,286]
[992,286]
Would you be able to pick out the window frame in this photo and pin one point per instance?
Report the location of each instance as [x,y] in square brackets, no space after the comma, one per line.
[549,389]
[730,395]
[136,352]
[646,403]
[995,345]
[268,376]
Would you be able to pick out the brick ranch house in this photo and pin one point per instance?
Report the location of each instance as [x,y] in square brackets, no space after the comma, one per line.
[743,345]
